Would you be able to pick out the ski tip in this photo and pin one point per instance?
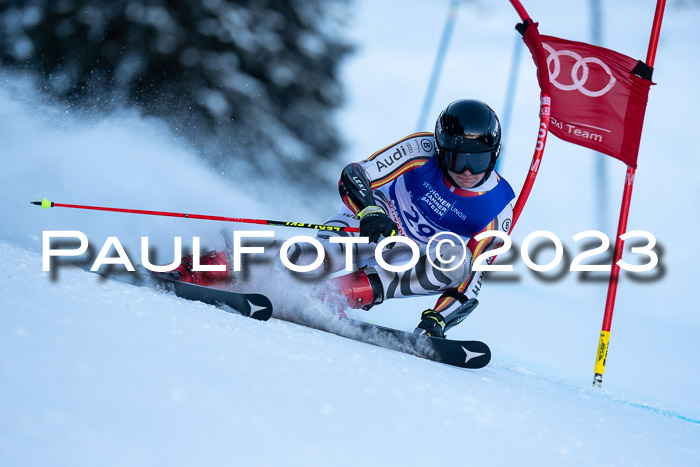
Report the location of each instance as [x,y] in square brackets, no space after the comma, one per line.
[45,203]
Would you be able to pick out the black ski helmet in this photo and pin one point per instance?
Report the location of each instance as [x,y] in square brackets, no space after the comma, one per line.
[468,136]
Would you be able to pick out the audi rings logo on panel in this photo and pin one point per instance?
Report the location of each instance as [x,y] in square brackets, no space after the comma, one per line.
[580,67]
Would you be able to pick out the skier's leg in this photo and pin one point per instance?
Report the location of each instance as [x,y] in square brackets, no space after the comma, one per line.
[185,271]
[427,276]
[424,278]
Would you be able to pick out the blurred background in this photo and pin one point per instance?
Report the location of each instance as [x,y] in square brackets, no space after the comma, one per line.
[241,81]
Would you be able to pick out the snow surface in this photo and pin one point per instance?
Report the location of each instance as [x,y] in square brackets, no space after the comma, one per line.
[97,372]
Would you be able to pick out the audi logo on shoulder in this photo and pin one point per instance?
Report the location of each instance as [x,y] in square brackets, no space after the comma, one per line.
[579,67]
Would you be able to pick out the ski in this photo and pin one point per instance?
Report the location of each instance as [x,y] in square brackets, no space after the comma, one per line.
[251,305]
[463,354]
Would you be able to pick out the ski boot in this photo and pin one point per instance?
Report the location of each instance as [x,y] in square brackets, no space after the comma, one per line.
[432,324]
[359,289]
[185,273]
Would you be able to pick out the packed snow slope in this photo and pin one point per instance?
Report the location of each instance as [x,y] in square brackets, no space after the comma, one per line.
[97,372]
[106,373]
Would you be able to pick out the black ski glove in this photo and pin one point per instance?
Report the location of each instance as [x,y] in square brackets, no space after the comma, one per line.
[374,223]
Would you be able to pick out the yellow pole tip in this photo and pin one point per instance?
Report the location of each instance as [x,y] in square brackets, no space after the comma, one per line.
[45,203]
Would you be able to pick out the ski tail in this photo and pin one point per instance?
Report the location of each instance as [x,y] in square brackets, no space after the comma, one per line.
[256,306]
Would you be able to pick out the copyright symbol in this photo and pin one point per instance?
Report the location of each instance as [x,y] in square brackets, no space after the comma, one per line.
[438,242]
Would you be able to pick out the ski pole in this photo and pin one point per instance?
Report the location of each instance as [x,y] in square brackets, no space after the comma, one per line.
[45,203]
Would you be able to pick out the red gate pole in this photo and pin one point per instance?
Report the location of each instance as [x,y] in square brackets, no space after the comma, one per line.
[603,342]
[545,110]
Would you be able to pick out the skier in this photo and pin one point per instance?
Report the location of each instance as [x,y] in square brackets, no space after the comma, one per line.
[422,186]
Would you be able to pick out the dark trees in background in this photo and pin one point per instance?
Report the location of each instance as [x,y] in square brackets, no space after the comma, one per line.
[253,80]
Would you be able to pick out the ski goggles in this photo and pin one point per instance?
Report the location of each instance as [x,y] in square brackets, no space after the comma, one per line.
[459,162]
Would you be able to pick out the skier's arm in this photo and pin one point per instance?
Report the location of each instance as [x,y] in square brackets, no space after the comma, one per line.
[355,188]
[359,178]
[453,298]
[357,195]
